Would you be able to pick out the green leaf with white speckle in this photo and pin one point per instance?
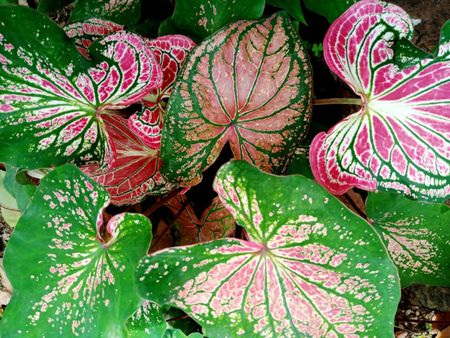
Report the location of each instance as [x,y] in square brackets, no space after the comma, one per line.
[147,322]
[125,12]
[416,234]
[310,266]
[67,280]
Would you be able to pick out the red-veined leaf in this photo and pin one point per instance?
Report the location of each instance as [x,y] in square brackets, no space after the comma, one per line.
[52,98]
[86,32]
[67,280]
[310,268]
[416,235]
[400,139]
[163,237]
[125,12]
[134,173]
[216,222]
[250,85]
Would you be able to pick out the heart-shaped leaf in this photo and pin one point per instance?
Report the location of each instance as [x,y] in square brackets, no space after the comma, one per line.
[52,98]
[134,173]
[199,18]
[67,281]
[250,85]
[310,268]
[416,235]
[400,139]
[124,12]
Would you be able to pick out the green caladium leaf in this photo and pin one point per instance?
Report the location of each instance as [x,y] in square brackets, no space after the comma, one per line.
[67,280]
[249,85]
[331,9]
[292,7]
[19,185]
[147,321]
[310,266]
[125,12]
[49,6]
[52,99]
[199,18]
[416,235]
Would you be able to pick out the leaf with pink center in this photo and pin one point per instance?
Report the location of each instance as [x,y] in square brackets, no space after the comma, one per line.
[416,235]
[306,270]
[52,99]
[71,282]
[135,171]
[400,139]
[124,12]
[249,85]
[170,52]
[216,221]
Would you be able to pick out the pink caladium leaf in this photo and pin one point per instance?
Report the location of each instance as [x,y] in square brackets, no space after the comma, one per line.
[216,221]
[416,235]
[134,173]
[248,84]
[68,281]
[52,99]
[400,139]
[305,270]
[170,52]
[86,32]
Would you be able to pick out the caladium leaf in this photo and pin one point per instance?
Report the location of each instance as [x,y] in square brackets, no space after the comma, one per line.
[170,52]
[416,235]
[331,9]
[310,268]
[19,184]
[49,6]
[400,139]
[52,98]
[124,12]
[162,238]
[199,18]
[216,221]
[134,173]
[292,7]
[70,281]
[86,32]
[147,321]
[250,85]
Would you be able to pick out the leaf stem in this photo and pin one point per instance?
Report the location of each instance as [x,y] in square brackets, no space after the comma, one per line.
[338,100]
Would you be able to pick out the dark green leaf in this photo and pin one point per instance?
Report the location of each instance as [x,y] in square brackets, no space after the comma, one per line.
[331,9]
[292,7]
[125,12]
[50,6]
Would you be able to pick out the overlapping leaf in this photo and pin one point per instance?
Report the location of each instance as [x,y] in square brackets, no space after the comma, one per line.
[250,85]
[400,139]
[135,172]
[52,98]
[124,12]
[331,9]
[416,235]
[68,281]
[310,267]
[147,321]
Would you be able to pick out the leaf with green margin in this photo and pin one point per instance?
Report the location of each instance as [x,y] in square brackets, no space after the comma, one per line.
[19,185]
[331,9]
[292,7]
[147,321]
[67,281]
[310,268]
[124,12]
[52,98]
[49,6]
[199,18]
[250,85]
[416,235]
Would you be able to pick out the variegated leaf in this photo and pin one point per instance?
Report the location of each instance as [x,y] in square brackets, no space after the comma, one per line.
[134,173]
[216,221]
[124,12]
[170,52]
[400,139]
[310,268]
[250,85]
[67,280]
[416,235]
[147,322]
[52,99]
[84,33]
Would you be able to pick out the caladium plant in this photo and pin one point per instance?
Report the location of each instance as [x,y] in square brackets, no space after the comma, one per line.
[400,139]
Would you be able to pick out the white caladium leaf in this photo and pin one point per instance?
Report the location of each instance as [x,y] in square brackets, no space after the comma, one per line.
[249,85]
[67,280]
[86,32]
[170,52]
[135,172]
[416,235]
[400,139]
[52,99]
[310,267]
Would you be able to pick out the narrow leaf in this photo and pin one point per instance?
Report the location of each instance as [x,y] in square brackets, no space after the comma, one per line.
[310,268]
[416,235]
[400,139]
[250,85]
[70,281]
